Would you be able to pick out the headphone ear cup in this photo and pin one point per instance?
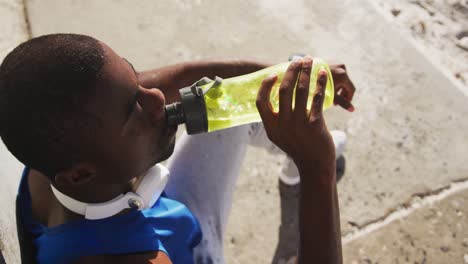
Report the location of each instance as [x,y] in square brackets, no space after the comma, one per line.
[152,185]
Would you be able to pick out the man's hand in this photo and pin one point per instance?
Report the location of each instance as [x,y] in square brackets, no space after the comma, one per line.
[344,88]
[302,135]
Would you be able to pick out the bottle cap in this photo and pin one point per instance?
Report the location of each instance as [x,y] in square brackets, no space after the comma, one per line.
[191,110]
[215,91]
[193,106]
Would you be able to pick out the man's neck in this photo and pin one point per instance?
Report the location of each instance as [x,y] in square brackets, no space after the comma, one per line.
[66,215]
[91,194]
[50,212]
[101,192]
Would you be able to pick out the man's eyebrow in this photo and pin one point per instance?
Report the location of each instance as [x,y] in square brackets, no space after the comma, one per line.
[135,96]
[131,65]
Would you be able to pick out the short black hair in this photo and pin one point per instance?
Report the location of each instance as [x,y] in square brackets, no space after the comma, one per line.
[46,84]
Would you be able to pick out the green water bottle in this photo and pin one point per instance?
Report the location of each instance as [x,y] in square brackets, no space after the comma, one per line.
[210,105]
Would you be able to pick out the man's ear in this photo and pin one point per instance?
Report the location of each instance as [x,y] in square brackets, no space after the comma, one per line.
[76,175]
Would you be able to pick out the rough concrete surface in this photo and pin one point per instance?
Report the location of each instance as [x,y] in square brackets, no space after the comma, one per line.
[432,234]
[13,31]
[407,135]
[440,26]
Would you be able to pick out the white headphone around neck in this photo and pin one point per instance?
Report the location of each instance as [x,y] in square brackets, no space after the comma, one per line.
[149,190]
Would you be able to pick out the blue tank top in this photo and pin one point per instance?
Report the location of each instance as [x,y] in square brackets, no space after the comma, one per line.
[168,227]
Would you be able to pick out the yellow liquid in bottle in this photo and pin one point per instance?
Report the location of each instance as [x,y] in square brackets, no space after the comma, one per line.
[232,103]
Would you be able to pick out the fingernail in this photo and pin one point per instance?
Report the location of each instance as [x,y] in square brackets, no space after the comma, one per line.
[307,58]
[296,59]
[272,76]
[322,77]
[351,108]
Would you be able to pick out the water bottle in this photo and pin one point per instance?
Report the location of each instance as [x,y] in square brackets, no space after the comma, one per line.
[210,105]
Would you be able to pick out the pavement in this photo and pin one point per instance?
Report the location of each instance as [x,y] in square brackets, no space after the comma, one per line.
[407,139]
[13,28]
[436,233]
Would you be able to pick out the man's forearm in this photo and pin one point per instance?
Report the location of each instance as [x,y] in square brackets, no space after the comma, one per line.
[174,77]
[319,219]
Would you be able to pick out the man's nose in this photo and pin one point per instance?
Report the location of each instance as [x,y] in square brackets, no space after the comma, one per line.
[152,102]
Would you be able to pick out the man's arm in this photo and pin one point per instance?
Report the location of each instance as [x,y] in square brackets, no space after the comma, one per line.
[305,138]
[170,79]
[319,218]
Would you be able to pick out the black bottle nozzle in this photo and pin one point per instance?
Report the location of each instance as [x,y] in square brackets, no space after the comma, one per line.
[174,114]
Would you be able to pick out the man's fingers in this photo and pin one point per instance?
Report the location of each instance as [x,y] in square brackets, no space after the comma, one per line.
[286,90]
[341,101]
[338,71]
[341,79]
[263,99]
[351,89]
[346,84]
[319,96]
[348,87]
[302,90]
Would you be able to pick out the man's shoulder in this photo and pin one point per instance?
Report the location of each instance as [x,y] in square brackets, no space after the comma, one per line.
[152,257]
[41,196]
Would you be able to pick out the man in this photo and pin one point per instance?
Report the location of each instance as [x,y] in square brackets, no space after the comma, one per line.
[89,127]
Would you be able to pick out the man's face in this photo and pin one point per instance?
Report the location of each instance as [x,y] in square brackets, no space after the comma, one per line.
[134,134]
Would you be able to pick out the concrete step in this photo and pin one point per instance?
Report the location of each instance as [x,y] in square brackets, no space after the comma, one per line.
[407,136]
[436,233]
